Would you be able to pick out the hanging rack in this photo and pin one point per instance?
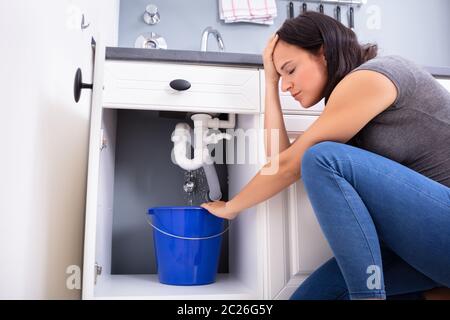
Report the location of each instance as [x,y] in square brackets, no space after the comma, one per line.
[356,3]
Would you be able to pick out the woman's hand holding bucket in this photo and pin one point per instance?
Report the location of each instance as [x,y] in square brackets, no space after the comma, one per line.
[220,209]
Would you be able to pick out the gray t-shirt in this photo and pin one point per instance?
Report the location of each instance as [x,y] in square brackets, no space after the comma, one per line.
[415,129]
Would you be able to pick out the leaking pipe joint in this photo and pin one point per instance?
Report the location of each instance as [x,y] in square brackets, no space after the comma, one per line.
[213,182]
[182,138]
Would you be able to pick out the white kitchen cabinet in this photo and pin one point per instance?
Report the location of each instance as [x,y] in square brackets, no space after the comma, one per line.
[248,258]
[303,247]
[145,85]
[296,240]
[272,246]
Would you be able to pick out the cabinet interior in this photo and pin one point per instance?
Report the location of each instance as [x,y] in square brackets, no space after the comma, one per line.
[136,172]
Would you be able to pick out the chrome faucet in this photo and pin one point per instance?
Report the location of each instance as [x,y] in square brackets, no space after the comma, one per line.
[205,36]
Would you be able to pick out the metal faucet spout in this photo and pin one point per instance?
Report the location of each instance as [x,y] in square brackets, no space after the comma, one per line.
[205,36]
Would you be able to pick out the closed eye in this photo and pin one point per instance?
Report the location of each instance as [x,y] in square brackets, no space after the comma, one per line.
[292,71]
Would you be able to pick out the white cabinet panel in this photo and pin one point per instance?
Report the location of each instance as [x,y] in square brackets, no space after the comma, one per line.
[303,247]
[146,85]
[292,106]
[310,248]
[445,83]
[297,124]
[288,104]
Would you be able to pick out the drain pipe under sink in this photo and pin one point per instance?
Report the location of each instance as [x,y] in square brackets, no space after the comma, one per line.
[213,182]
[181,136]
[206,121]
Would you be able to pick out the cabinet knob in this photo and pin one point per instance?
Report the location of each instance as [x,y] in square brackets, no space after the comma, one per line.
[180,84]
[78,85]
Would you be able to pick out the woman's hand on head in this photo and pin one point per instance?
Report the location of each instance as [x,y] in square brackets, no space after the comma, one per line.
[219,209]
[271,74]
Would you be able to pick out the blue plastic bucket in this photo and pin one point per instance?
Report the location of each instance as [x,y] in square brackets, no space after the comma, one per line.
[187,244]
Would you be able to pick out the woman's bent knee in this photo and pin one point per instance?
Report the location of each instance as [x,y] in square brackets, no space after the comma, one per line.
[315,154]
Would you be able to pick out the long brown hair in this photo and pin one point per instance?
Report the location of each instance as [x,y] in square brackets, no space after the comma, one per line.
[310,30]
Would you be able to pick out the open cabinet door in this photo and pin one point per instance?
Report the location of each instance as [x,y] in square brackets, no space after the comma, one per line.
[93,236]
[44,136]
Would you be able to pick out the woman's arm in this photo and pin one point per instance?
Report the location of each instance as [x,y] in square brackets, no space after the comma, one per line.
[356,100]
[276,138]
[275,135]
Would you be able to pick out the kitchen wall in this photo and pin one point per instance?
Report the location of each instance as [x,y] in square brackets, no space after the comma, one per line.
[415,29]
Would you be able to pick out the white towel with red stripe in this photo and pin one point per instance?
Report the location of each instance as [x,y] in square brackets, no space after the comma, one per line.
[252,11]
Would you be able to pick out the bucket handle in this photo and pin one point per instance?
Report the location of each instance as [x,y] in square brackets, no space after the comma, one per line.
[187,238]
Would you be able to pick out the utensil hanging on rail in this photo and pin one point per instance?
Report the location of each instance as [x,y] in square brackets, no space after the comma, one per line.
[357,3]
[350,5]
[351,18]
[291,10]
[304,7]
[321,8]
[338,13]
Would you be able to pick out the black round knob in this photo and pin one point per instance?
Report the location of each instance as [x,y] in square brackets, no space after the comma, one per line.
[78,85]
[180,84]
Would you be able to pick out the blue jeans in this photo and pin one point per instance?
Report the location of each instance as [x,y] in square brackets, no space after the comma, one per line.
[387,225]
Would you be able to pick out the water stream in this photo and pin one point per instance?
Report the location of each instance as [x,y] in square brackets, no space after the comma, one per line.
[195,187]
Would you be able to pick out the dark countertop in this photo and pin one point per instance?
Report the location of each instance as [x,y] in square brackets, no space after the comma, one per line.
[211,58]
[443,72]
[185,56]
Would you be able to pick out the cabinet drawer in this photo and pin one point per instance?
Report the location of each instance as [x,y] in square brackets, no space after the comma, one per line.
[288,104]
[145,85]
[291,106]
[297,124]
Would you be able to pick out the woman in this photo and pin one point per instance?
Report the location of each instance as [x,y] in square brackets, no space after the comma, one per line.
[375,164]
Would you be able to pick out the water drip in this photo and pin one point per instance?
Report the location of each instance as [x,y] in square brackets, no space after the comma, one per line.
[195,187]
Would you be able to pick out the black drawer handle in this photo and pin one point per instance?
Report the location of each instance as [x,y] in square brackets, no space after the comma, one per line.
[180,84]
[78,85]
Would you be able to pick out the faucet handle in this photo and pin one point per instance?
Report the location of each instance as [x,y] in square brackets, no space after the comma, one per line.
[151,15]
[220,41]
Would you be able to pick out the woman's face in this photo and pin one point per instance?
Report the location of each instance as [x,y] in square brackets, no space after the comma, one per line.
[303,74]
